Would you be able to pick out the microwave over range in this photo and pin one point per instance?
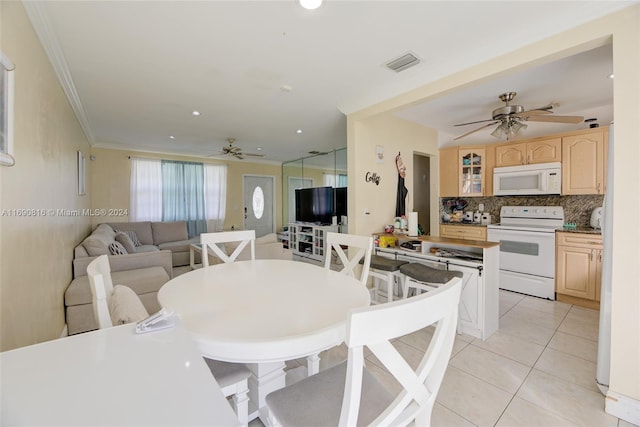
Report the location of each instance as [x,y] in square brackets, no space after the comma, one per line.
[541,178]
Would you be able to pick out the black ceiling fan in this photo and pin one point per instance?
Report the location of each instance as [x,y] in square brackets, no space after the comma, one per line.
[510,118]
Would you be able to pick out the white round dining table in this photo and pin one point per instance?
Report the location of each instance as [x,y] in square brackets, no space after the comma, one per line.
[264,312]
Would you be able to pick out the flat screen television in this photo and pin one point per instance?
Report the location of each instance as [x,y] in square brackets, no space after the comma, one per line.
[314,205]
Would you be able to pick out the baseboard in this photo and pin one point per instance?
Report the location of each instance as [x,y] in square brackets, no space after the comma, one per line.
[623,407]
[65,331]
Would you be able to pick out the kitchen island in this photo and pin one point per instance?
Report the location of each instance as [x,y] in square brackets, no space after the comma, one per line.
[479,263]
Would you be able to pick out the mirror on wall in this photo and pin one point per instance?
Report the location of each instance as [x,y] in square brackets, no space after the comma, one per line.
[319,170]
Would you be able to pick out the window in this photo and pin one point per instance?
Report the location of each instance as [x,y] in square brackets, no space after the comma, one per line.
[166,190]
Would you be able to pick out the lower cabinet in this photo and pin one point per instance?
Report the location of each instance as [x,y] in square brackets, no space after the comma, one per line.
[579,265]
[464,232]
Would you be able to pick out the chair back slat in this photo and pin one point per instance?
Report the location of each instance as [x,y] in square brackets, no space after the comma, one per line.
[358,247]
[212,240]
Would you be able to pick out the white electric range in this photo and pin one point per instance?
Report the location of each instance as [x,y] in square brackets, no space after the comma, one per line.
[527,236]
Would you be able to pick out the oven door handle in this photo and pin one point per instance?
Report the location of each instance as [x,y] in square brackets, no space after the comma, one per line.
[520,233]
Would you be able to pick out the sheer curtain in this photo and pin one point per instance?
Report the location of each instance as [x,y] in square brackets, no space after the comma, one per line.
[215,200]
[146,190]
[164,190]
[183,195]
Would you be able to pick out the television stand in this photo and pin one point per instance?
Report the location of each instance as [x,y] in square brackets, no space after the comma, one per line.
[309,240]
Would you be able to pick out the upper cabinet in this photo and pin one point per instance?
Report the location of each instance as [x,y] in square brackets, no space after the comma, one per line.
[468,171]
[523,153]
[584,159]
[464,171]
[471,162]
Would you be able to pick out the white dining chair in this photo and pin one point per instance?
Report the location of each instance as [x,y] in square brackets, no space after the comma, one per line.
[213,240]
[119,304]
[357,248]
[350,394]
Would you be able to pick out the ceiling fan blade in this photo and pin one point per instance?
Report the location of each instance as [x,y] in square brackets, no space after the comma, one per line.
[253,155]
[536,112]
[473,123]
[493,122]
[556,119]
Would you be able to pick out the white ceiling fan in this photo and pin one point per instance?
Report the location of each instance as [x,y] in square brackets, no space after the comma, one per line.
[510,118]
[235,151]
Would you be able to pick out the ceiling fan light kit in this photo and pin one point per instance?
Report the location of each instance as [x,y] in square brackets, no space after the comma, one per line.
[510,117]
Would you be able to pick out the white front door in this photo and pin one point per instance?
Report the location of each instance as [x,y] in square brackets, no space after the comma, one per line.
[259,204]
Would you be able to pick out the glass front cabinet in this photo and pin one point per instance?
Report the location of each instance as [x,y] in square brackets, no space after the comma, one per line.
[471,165]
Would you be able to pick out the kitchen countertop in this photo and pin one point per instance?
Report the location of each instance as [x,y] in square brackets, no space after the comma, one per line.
[471,224]
[582,230]
[442,240]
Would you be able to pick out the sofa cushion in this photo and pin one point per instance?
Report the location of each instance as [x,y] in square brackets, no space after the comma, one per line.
[180,246]
[116,248]
[124,239]
[146,248]
[125,306]
[164,232]
[96,246]
[98,242]
[142,230]
[141,280]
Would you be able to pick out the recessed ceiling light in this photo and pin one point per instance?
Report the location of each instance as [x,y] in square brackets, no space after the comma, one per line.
[610,76]
[299,131]
[259,148]
[310,4]
[195,113]
[172,137]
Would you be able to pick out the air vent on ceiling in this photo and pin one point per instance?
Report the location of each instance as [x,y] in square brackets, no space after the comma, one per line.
[405,61]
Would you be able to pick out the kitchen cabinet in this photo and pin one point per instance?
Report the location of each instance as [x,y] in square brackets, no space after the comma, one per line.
[478,310]
[545,150]
[448,166]
[584,160]
[464,232]
[463,171]
[579,265]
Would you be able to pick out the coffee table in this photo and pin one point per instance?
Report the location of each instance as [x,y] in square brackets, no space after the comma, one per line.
[263,313]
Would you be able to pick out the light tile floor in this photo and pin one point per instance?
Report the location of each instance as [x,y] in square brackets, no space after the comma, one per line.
[538,369]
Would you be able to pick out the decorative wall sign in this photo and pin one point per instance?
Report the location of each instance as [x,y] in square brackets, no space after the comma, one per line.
[372,177]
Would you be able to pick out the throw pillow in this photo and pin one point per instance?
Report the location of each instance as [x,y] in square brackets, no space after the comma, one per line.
[116,248]
[125,306]
[126,241]
[132,235]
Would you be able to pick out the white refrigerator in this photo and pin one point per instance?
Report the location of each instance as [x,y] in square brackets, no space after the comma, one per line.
[604,337]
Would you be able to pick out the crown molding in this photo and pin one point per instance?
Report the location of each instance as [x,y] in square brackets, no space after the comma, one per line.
[42,26]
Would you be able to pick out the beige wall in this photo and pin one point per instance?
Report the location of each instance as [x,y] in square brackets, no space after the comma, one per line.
[623,30]
[36,252]
[111,172]
[395,135]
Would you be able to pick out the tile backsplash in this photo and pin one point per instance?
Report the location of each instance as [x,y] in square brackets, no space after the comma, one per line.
[577,209]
